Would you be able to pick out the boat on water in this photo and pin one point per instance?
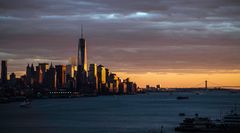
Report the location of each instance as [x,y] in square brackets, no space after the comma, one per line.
[230,123]
[197,124]
[182,97]
[181,114]
[25,104]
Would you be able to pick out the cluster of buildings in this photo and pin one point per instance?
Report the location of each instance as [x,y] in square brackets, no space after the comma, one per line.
[70,78]
[156,88]
[78,79]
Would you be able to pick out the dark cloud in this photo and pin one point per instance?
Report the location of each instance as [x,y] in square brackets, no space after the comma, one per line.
[126,36]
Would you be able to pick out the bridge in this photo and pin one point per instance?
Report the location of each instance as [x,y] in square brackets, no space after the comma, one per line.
[211,85]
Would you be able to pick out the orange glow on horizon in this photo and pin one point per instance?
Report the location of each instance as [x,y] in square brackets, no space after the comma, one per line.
[171,80]
[178,80]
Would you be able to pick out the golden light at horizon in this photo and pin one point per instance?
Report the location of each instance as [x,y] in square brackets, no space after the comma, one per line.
[178,80]
[183,79]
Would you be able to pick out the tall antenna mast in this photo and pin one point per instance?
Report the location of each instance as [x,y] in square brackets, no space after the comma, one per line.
[81,31]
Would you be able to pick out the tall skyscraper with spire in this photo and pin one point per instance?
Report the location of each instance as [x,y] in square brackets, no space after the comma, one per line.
[82,68]
[82,52]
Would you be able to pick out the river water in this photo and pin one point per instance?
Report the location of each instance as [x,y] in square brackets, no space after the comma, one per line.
[142,113]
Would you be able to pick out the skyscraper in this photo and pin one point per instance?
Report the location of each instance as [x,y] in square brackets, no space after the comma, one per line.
[32,75]
[82,53]
[70,82]
[115,82]
[51,78]
[43,67]
[4,72]
[82,65]
[92,78]
[70,70]
[12,81]
[101,73]
[60,76]
[107,79]
[28,74]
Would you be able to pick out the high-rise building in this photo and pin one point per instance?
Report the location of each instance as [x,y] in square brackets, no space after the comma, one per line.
[28,74]
[114,80]
[41,70]
[12,81]
[32,75]
[70,75]
[82,53]
[43,67]
[81,79]
[60,76]
[93,78]
[101,79]
[51,78]
[37,74]
[4,72]
[122,88]
[70,70]
[131,87]
[107,79]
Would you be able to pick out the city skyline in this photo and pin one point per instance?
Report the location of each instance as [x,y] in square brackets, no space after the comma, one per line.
[172,43]
[74,79]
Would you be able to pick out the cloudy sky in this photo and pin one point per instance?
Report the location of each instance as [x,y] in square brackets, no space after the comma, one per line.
[150,41]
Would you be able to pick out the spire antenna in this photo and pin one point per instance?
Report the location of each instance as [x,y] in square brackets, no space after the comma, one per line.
[81,31]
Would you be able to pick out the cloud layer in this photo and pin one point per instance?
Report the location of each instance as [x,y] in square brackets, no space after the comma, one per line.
[136,36]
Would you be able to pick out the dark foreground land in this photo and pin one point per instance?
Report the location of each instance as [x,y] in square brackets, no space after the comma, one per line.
[141,113]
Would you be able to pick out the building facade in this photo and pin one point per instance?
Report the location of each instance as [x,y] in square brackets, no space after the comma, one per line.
[4,72]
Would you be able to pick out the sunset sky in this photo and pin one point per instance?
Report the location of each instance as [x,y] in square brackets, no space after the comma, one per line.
[175,43]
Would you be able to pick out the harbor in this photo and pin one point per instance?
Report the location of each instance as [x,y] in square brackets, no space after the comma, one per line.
[141,113]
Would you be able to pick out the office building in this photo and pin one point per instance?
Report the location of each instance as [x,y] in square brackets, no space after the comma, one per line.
[28,75]
[122,88]
[82,68]
[43,67]
[60,76]
[51,78]
[93,78]
[114,81]
[4,72]
[101,79]
[12,81]
[70,70]
[82,54]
